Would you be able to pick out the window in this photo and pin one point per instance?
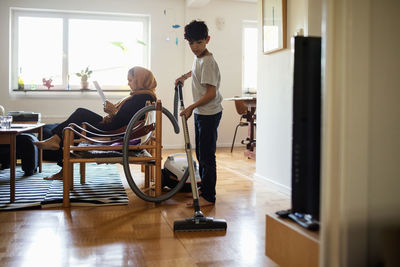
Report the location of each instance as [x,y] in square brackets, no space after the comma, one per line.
[250,40]
[57,45]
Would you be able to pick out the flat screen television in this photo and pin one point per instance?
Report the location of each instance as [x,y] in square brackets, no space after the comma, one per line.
[306,137]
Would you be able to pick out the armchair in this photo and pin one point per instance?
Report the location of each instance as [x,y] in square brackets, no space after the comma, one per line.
[145,145]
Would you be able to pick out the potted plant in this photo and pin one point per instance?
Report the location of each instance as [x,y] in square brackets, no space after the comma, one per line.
[84,75]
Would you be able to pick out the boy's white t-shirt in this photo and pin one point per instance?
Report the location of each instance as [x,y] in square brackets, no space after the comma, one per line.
[205,71]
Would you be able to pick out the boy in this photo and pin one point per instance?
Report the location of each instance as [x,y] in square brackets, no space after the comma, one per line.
[207,107]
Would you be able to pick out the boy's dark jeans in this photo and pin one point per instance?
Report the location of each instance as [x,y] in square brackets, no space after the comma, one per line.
[206,135]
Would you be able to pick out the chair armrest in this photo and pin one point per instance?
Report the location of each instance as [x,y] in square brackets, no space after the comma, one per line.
[138,131]
[117,131]
[91,128]
[92,140]
[85,131]
[105,134]
[142,130]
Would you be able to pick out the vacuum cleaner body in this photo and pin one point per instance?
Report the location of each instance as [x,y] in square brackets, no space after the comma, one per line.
[177,164]
[175,167]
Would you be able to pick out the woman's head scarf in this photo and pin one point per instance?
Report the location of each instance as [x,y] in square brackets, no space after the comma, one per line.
[143,83]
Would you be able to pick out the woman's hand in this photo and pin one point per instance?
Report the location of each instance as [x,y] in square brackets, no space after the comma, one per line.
[187,112]
[109,108]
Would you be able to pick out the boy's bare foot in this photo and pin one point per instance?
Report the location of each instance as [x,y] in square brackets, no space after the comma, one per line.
[188,195]
[52,143]
[56,176]
[202,201]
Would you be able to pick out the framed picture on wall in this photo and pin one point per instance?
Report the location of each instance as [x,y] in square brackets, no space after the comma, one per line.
[273,25]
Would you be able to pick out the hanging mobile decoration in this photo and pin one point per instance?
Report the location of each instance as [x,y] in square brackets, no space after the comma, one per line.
[174,26]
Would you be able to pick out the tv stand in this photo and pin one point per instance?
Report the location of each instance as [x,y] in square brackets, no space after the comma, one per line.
[289,244]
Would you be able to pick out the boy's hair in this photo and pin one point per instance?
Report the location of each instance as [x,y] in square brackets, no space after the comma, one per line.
[196,30]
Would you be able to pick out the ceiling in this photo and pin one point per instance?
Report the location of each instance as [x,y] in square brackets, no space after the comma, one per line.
[200,3]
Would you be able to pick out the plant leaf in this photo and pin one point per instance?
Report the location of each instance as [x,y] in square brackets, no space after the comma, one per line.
[141,42]
[120,45]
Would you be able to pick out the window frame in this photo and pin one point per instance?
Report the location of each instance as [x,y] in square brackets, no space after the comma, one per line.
[65,15]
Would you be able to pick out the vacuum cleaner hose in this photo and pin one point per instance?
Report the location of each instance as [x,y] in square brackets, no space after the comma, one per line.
[125,151]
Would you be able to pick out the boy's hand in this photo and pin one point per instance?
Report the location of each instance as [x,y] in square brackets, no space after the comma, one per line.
[187,112]
[180,79]
[109,108]
[183,78]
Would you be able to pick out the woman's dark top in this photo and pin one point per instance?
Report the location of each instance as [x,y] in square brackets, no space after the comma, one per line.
[126,112]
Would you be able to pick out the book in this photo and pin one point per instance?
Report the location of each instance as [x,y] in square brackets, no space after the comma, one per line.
[100,91]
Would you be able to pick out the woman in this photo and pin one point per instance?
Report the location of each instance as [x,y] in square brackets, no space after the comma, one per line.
[142,84]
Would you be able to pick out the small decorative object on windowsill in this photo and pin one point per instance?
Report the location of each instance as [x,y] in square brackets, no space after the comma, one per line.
[84,75]
[47,83]
[21,85]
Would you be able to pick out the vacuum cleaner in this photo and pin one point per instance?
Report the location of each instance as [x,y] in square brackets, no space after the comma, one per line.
[175,167]
[198,222]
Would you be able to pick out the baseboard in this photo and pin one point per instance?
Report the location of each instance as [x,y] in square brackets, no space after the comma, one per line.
[273,184]
[181,146]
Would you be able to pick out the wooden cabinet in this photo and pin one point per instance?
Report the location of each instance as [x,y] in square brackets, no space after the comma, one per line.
[289,244]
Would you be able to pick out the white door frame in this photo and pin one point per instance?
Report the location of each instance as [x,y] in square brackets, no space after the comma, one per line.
[346,92]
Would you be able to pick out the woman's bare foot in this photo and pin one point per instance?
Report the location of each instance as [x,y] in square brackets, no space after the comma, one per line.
[52,143]
[202,202]
[56,176]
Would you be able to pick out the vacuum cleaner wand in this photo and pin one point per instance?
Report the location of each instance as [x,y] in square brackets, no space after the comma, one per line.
[198,222]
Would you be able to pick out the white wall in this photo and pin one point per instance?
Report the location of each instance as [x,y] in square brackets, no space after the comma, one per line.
[274,97]
[168,60]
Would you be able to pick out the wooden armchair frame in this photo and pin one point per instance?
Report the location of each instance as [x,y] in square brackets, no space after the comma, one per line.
[152,144]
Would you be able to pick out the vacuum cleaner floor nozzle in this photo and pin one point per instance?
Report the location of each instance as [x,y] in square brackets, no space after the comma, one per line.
[195,224]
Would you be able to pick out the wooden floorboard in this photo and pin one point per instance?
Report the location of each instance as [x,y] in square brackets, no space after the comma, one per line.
[140,234]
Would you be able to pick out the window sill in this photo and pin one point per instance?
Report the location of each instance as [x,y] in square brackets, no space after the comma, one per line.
[68,94]
[67,91]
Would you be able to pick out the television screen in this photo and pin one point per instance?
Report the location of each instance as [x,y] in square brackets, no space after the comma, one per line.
[306,138]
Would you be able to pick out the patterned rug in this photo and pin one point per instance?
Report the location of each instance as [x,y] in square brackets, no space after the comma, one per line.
[103,187]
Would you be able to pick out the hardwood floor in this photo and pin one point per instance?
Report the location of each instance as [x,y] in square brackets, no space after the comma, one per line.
[140,234]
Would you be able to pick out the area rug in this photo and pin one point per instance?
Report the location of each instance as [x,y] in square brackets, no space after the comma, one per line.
[103,187]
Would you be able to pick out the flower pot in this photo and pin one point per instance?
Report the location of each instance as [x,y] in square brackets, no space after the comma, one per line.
[85,85]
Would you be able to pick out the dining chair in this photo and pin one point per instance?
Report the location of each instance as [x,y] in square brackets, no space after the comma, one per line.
[242,110]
